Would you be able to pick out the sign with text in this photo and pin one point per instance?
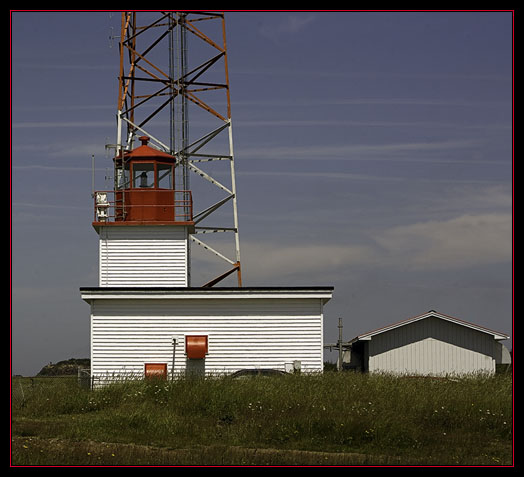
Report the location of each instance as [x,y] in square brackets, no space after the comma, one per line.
[156,370]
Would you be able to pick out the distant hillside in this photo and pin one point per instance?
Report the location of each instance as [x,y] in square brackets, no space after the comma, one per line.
[66,367]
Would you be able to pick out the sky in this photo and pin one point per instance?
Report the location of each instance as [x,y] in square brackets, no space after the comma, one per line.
[373,153]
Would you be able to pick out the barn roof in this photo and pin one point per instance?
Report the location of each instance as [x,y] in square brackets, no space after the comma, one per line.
[432,313]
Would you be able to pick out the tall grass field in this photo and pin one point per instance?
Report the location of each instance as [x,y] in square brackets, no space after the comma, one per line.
[308,420]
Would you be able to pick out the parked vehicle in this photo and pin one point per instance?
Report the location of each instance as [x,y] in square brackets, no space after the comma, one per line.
[245,373]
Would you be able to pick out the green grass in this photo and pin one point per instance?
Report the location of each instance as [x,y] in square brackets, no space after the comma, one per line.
[329,419]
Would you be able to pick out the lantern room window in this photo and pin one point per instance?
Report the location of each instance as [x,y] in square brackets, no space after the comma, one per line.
[143,175]
[164,176]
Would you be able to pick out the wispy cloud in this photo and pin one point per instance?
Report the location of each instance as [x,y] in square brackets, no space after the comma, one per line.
[354,150]
[47,206]
[323,122]
[267,260]
[457,243]
[61,124]
[62,107]
[63,66]
[315,175]
[462,241]
[341,101]
[39,167]
[26,152]
[352,74]
[279,26]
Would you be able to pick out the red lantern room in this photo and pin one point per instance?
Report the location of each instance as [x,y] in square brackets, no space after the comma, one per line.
[144,191]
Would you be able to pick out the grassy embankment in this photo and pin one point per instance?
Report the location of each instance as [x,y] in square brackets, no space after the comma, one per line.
[329,419]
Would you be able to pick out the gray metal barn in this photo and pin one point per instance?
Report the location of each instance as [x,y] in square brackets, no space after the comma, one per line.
[428,344]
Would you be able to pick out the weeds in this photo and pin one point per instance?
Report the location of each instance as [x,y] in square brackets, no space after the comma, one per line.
[383,418]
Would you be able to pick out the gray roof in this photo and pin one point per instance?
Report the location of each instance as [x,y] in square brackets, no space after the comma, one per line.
[432,313]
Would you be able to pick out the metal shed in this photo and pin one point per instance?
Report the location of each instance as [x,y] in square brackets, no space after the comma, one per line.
[428,344]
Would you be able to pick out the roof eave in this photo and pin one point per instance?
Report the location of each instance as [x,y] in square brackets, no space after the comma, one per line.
[367,336]
[92,293]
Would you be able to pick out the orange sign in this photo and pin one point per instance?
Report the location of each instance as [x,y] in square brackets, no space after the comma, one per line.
[156,370]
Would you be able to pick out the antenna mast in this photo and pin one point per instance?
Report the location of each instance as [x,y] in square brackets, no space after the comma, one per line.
[155,84]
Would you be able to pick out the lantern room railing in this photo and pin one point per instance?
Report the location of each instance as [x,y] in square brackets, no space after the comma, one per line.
[143,205]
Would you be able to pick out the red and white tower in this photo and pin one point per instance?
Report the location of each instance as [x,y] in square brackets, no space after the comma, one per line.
[146,223]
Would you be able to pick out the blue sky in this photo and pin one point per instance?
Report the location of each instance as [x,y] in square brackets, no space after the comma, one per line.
[373,153]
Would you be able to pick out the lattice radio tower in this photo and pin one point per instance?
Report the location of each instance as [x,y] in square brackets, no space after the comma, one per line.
[157,88]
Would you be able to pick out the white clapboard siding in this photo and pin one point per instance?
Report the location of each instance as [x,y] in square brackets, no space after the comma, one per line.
[432,346]
[242,333]
[143,256]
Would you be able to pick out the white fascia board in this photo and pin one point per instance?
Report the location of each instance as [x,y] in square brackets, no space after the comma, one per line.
[284,293]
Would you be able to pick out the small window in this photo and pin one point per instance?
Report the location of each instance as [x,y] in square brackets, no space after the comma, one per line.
[164,176]
[143,175]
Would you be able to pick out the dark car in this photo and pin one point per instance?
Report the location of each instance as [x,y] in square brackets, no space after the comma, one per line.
[244,373]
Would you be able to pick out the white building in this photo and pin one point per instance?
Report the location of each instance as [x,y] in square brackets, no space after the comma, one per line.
[211,330]
[146,319]
[428,344]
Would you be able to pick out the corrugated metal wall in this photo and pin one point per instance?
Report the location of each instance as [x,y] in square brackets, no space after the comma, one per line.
[143,255]
[431,347]
[242,333]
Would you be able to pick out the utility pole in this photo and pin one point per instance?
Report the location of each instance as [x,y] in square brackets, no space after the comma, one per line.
[339,363]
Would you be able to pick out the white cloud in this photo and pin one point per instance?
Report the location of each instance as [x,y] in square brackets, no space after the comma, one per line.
[460,199]
[285,25]
[458,228]
[457,243]
[270,262]
[462,241]
[265,260]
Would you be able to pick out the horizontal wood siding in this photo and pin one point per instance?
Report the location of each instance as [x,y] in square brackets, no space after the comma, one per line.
[432,347]
[247,333]
[143,256]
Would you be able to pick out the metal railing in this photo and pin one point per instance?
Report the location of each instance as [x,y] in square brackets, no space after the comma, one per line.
[124,205]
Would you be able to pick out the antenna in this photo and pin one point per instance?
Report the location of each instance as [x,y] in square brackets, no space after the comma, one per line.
[156,80]
[92,175]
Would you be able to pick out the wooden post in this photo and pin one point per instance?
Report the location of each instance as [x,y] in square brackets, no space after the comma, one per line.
[173,360]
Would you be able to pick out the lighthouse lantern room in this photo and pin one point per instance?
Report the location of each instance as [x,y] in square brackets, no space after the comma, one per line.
[144,191]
